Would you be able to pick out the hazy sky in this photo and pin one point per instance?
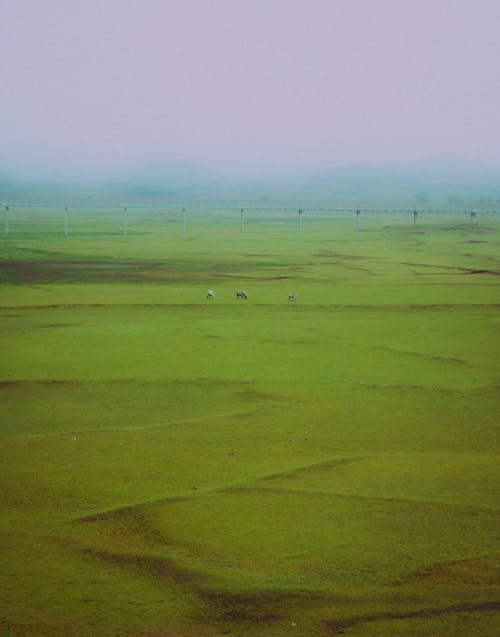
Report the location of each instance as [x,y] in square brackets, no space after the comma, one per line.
[262,85]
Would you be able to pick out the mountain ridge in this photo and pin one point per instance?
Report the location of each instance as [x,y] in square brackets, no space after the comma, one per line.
[411,183]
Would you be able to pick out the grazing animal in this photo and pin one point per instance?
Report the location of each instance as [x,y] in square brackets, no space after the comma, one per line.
[292,296]
[241,294]
[211,295]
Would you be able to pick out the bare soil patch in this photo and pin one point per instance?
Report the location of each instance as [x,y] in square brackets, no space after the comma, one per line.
[340,626]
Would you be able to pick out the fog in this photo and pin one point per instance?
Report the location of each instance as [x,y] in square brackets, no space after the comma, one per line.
[245,89]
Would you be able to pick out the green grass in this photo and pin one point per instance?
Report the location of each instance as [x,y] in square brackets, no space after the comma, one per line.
[175,466]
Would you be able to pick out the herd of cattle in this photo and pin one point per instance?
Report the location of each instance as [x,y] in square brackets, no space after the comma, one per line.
[241,294]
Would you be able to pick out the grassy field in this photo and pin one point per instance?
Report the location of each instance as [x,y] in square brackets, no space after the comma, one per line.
[174,467]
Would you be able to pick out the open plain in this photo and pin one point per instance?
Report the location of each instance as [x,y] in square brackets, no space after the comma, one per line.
[177,466]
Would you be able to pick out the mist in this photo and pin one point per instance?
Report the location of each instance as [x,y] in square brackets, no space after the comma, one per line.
[94,90]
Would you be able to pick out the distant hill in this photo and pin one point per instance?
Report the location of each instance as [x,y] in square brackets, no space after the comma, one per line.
[166,179]
[423,184]
[417,183]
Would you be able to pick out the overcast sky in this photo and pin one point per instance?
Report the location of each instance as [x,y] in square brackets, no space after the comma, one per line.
[261,85]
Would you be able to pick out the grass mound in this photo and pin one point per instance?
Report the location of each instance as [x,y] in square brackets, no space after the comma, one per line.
[177,466]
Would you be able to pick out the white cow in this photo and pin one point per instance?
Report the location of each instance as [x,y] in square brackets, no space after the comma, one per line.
[292,296]
[211,295]
[241,294]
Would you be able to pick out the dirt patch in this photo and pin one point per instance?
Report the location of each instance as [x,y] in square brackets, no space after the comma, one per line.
[481,570]
[265,607]
[341,255]
[158,568]
[7,384]
[339,626]
[453,268]
[327,466]
[38,383]
[97,270]
[69,270]
[469,228]
[449,360]
[495,272]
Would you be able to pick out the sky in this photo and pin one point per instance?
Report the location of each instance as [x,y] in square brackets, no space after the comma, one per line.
[257,87]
